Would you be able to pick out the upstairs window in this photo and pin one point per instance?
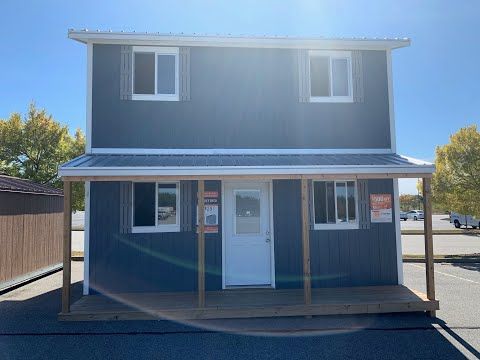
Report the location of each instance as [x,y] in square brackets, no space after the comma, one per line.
[331,76]
[335,204]
[155,73]
[156,207]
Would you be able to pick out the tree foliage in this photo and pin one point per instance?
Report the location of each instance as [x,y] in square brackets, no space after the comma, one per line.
[33,148]
[410,202]
[456,182]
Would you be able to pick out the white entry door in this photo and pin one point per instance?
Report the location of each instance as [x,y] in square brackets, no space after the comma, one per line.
[248,241]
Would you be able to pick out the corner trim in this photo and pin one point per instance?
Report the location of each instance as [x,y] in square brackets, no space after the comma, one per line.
[398,235]
[391,107]
[86,242]
[88,110]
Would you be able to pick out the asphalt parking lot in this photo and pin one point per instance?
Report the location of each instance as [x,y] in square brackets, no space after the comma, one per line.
[439,222]
[29,329]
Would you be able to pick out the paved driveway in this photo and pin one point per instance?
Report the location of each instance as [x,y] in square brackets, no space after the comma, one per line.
[442,244]
[29,329]
[439,222]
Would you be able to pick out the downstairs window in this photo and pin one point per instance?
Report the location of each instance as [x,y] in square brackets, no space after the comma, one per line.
[156,207]
[335,205]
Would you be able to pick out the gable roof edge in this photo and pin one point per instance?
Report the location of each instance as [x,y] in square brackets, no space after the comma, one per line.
[157,39]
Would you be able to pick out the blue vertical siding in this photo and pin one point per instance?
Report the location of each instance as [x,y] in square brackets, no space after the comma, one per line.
[287,229]
[338,257]
[213,245]
[145,262]
[168,261]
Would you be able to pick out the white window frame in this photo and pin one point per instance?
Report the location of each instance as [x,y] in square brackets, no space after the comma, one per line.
[333,55]
[157,228]
[157,51]
[338,225]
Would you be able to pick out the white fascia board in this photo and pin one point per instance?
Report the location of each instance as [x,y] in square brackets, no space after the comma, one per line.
[146,39]
[243,170]
[139,151]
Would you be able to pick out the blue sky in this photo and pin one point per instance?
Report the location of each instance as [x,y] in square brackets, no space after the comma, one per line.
[436,79]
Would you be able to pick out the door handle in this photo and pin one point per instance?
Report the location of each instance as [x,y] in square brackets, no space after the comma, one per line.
[267,239]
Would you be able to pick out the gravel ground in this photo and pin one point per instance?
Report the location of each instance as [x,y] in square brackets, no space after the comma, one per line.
[29,329]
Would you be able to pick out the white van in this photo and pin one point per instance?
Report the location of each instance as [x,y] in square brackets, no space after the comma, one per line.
[465,220]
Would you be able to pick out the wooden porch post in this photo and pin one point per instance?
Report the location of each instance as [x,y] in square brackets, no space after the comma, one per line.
[67,245]
[427,225]
[307,285]
[201,244]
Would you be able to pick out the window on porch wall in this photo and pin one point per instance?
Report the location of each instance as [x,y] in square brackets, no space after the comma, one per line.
[156,207]
[335,204]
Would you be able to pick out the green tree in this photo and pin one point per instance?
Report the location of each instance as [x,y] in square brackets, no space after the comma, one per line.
[33,148]
[456,182]
[410,202]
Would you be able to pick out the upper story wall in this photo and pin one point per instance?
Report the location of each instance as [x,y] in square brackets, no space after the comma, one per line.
[239,98]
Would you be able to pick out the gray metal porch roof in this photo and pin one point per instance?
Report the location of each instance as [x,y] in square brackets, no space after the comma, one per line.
[237,164]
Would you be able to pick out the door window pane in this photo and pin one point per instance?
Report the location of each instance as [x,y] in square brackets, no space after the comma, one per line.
[341,192]
[167,204]
[320,76]
[340,77]
[165,74]
[247,212]
[352,208]
[144,73]
[144,204]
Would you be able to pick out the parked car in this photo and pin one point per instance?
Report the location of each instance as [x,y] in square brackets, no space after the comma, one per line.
[415,215]
[466,220]
[403,215]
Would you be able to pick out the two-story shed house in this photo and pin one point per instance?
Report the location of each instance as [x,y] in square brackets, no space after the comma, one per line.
[241,176]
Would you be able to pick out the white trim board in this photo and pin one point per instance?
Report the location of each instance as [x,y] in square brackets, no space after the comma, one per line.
[398,236]
[222,151]
[391,107]
[244,170]
[157,39]
[88,105]
[86,242]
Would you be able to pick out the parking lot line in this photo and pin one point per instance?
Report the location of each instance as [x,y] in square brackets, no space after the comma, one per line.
[442,273]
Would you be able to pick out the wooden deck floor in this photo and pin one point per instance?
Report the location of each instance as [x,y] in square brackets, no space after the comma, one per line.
[247,303]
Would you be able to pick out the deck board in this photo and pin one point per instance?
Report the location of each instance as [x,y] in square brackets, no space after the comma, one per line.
[244,303]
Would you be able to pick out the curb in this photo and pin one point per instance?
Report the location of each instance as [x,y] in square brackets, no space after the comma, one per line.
[449,259]
[442,232]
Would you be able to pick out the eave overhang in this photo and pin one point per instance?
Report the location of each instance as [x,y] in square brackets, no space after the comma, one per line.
[114,166]
[158,39]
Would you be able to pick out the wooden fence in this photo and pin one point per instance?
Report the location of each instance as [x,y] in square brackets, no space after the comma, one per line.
[30,235]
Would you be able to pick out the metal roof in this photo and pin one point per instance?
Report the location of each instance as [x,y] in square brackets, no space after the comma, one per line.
[243,40]
[14,184]
[226,164]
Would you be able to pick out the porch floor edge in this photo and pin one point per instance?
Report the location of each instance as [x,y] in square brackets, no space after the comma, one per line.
[270,303]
